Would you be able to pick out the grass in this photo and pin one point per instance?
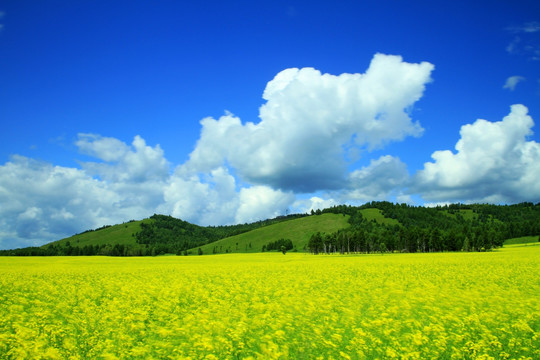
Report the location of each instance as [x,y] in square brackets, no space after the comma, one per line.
[117,234]
[522,240]
[377,215]
[298,230]
[467,214]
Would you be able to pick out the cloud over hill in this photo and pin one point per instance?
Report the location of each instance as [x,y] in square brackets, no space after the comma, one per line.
[303,152]
[494,163]
[309,121]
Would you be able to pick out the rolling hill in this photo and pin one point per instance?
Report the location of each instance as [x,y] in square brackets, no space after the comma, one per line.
[122,234]
[377,216]
[298,231]
[374,226]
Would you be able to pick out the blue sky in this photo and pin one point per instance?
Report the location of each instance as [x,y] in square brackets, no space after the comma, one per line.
[222,112]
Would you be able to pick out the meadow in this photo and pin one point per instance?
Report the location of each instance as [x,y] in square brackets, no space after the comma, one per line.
[298,230]
[273,306]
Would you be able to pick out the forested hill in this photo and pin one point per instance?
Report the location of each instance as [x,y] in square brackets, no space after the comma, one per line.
[159,234]
[372,227]
[513,220]
[456,227]
[167,234]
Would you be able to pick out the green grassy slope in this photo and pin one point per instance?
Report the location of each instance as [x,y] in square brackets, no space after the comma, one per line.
[298,230]
[467,214]
[116,234]
[522,240]
[376,214]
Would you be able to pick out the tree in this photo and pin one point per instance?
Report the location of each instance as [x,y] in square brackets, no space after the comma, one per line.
[276,245]
[199,252]
[315,243]
[466,244]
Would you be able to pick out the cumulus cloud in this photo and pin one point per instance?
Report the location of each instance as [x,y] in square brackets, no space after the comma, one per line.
[379,180]
[206,201]
[214,198]
[494,163]
[46,202]
[262,202]
[308,121]
[310,125]
[512,81]
[41,202]
[314,203]
[136,163]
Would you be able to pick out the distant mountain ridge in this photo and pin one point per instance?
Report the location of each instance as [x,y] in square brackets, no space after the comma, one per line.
[374,226]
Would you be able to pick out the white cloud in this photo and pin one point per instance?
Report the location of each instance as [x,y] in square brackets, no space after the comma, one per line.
[528,27]
[104,148]
[379,180]
[41,202]
[309,119]
[531,27]
[214,199]
[494,163]
[44,202]
[239,172]
[138,163]
[513,47]
[262,202]
[314,203]
[526,40]
[209,201]
[512,81]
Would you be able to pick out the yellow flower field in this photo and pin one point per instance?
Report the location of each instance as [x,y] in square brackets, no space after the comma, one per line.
[271,306]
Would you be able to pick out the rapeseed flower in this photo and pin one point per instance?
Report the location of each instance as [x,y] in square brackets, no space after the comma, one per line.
[265,306]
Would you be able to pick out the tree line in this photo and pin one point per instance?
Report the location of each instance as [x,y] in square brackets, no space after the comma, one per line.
[456,227]
[162,235]
[178,236]
[283,245]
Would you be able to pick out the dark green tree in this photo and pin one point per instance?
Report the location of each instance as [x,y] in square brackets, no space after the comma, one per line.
[466,244]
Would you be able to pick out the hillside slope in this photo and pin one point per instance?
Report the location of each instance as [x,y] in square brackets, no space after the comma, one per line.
[377,216]
[122,234]
[298,231]
[375,226]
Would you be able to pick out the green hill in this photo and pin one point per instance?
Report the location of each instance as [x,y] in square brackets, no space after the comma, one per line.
[366,228]
[467,214]
[377,215]
[122,234]
[159,234]
[298,231]
[522,240]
